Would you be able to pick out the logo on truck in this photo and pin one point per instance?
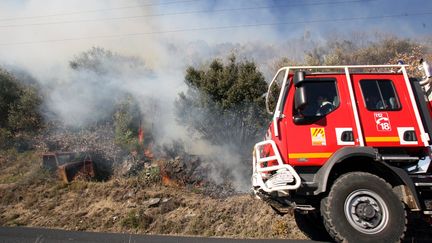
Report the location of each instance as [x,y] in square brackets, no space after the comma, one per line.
[382,121]
[318,136]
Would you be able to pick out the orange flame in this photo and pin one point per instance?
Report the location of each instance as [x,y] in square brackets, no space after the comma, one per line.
[148,152]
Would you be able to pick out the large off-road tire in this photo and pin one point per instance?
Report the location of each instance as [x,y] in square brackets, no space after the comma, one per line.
[311,224]
[362,207]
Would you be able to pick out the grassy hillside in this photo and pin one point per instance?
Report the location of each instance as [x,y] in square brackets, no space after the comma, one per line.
[30,196]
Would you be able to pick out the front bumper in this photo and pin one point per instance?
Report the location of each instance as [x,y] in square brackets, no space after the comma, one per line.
[272,177]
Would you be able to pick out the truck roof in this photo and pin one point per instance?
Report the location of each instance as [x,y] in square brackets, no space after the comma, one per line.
[363,73]
[352,69]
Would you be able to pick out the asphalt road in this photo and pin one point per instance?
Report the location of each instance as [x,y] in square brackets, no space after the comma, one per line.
[41,235]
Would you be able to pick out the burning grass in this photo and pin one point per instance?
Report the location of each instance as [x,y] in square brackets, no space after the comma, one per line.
[136,204]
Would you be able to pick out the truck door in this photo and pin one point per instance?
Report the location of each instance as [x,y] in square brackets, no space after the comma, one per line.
[385,110]
[321,126]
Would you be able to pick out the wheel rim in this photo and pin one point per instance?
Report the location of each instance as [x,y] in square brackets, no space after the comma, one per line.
[366,211]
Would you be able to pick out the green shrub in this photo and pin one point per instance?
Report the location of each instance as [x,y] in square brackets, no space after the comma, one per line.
[126,124]
[224,103]
[137,219]
[20,111]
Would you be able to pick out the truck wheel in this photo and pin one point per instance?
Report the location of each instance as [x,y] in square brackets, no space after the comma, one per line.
[362,207]
[311,225]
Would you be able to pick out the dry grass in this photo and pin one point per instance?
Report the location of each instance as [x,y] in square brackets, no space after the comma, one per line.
[18,167]
[35,198]
[30,196]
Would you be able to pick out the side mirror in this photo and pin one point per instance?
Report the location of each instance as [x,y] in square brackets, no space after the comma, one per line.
[298,78]
[300,100]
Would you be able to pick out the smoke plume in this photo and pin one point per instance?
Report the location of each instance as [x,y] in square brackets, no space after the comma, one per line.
[144,50]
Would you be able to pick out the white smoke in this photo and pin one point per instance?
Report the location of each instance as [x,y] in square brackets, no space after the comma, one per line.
[165,44]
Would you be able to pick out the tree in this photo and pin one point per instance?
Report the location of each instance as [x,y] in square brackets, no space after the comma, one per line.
[386,50]
[224,103]
[103,61]
[104,77]
[9,94]
[378,52]
[20,115]
[24,114]
[282,62]
[19,105]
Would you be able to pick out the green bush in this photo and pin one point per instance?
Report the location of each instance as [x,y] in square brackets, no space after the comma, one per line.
[224,103]
[24,115]
[137,219]
[19,108]
[9,95]
[5,138]
[126,124]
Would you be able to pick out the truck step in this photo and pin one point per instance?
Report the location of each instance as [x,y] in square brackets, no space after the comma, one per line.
[306,207]
[422,180]
[423,183]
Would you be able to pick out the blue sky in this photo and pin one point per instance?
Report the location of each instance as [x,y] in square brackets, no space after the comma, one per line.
[315,16]
[286,18]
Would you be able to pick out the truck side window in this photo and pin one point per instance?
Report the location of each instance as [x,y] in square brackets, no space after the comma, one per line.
[379,95]
[322,97]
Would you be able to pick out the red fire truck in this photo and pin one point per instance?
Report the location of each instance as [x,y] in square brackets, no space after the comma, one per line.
[349,149]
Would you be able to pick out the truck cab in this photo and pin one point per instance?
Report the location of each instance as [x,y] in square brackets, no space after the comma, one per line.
[348,146]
